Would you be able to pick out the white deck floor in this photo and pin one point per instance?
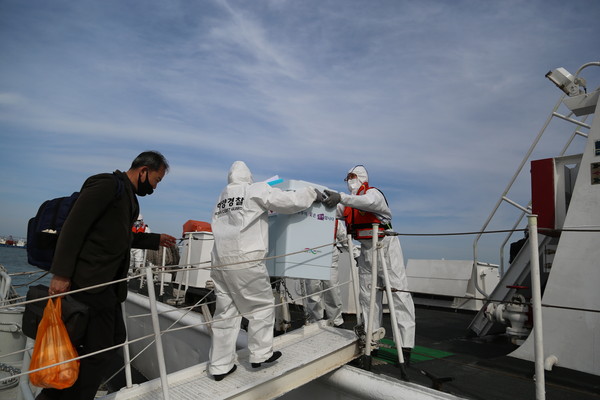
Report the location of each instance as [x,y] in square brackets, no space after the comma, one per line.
[308,353]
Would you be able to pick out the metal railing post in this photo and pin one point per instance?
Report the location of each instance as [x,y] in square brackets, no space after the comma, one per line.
[536,293]
[388,292]
[369,327]
[188,260]
[162,272]
[157,337]
[143,266]
[355,284]
[126,355]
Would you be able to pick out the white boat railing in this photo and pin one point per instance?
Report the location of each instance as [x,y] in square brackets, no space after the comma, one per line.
[504,196]
[156,336]
[148,274]
[5,284]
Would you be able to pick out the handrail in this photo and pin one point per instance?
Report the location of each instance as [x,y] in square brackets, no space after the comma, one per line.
[503,197]
[575,133]
[156,329]
[508,236]
[508,187]
[584,66]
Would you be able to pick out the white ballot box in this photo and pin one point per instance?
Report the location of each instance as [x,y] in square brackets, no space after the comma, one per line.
[305,232]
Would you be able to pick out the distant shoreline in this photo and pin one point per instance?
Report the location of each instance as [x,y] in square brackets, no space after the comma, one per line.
[13,245]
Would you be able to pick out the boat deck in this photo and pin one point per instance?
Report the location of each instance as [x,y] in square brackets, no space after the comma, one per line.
[478,366]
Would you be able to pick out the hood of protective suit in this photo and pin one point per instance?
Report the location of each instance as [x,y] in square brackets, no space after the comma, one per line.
[354,184]
[239,173]
[361,173]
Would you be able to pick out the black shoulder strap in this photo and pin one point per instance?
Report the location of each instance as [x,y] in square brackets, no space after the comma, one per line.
[120,185]
[388,225]
[379,190]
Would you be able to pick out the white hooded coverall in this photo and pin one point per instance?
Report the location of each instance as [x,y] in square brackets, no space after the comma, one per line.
[136,259]
[240,227]
[374,201]
[330,300]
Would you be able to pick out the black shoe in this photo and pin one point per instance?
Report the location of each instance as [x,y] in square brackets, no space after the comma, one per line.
[219,377]
[406,352]
[403,374]
[275,356]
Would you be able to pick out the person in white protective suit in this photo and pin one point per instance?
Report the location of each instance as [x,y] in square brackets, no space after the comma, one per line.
[242,286]
[136,259]
[325,295]
[360,209]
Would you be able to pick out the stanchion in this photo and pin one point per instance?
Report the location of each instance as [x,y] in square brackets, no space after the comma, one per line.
[394,319]
[369,326]
[126,356]
[142,266]
[187,262]
[355,284]
[162,272]
[536,300]
[157,338]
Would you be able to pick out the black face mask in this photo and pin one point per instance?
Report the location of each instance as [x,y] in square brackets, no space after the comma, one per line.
[144,188]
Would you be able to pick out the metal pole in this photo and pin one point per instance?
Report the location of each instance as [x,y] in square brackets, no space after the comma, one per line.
[162,274]
[388,292]
[142,266]
[157,337]
[354,277]
[187,262]
[304,294]
[285,312]
[126,356]
[369,327]
[536,293]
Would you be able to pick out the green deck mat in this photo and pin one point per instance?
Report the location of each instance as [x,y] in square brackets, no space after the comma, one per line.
[418,354]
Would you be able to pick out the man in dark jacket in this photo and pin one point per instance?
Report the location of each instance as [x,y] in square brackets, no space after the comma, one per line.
[93,248]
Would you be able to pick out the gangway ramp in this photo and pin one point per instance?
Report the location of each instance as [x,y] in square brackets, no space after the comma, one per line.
[308,353]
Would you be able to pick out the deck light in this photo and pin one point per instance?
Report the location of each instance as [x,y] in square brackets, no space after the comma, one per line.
[566,82]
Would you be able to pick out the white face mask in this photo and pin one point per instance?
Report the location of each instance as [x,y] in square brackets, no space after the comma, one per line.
[353,185]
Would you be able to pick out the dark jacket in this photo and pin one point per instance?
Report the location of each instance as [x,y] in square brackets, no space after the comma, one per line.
[95,242]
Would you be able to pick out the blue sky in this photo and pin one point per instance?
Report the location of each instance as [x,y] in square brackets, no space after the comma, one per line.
[438,99]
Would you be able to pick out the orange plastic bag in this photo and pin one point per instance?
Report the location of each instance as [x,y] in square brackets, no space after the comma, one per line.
[52,345]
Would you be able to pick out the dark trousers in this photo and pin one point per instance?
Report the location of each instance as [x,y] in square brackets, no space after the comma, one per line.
[105,329]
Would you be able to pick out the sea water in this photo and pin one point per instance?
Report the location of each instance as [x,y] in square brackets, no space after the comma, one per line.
[14,259]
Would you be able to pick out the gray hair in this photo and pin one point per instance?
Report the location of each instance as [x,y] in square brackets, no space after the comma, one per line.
[151,159]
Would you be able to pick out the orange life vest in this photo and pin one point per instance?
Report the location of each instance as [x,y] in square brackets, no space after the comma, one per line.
[138,229]
[360,223]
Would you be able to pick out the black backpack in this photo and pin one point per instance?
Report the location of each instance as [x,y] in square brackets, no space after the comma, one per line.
[44,228]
